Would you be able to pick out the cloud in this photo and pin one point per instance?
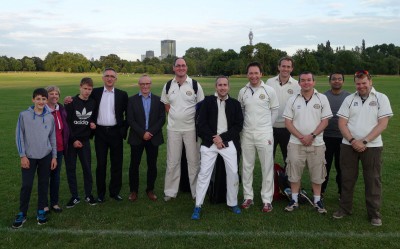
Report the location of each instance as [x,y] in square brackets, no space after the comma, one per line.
[130,29]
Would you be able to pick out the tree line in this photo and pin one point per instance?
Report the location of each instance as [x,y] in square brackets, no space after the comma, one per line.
[378,59]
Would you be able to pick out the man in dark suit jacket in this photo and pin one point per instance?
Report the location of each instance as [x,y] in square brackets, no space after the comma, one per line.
[109,135]
[146,117]
[220,122]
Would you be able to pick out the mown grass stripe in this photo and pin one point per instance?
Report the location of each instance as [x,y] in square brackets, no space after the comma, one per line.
[164,233]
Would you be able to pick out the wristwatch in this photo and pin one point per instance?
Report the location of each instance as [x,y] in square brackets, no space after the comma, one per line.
[365,142]
[313,135]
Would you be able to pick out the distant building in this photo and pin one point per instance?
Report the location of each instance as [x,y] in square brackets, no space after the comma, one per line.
[150,54]
[168,47]
[251,37]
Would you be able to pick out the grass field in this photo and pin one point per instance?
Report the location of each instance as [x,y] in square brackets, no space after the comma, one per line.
[145,224]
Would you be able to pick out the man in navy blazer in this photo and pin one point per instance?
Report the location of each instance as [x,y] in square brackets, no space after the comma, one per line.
[110,133]
[146,117]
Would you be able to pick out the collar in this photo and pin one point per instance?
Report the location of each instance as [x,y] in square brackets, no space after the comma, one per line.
[106,91]
[262,84]
[216,95]
[290,80]
[315,93]
[56,108]
[186,80]
[140,94]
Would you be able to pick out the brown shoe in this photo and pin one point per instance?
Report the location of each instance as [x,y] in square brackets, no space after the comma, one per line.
[133,196]
[151,195]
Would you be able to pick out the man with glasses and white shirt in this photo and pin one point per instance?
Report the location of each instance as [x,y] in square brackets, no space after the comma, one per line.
[110,132]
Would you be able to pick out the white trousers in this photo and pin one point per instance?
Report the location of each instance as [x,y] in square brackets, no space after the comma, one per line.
[208,158]
[174,154]
[263,143]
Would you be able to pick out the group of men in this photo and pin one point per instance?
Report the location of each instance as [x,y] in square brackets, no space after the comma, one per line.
[281,112]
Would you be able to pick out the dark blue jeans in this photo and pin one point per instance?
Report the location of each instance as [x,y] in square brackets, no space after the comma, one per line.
[84,155]
[55,180]
[42,166]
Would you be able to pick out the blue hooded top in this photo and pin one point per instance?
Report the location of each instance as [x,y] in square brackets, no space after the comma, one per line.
[35,134]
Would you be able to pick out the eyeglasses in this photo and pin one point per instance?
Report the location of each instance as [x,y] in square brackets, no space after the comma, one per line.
[338,79]
[109,76]
[144,84]
[362,73]
[179,65]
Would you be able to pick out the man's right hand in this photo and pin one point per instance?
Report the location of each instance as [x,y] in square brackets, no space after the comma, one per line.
[77,144]
[68,100]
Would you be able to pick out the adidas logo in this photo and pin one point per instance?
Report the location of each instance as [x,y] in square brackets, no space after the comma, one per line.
[83,115]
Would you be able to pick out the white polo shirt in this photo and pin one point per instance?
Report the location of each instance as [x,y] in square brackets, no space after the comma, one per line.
[183,102]
[307,116]
[283,92]
[363,117]
[257,105]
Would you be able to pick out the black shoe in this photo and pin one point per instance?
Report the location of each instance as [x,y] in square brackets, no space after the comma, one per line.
[72,202]
[100,199]
[41,217]
[90,199]
[19,220]
[116,197]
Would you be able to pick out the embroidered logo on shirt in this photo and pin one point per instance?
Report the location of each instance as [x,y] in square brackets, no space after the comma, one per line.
[317,106]
[298,107]
[189,93]
[262,96]
[355,104]
[290,91]
[372,103]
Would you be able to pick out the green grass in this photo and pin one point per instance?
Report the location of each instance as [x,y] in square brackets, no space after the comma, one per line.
[145,224]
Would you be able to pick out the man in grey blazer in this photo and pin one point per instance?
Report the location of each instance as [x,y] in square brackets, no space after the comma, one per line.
[146,117]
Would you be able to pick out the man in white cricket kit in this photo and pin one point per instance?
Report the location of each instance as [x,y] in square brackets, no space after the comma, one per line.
[260,109]
[180,104]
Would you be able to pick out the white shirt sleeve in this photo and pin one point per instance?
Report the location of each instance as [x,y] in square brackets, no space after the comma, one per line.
[274,115]
[385,109]
[164,96]
[200,93]
[288,112]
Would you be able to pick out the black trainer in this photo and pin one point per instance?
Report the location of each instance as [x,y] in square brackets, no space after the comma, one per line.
[72,202]
[20,219]
[41,217]
[90,199]
[116,197]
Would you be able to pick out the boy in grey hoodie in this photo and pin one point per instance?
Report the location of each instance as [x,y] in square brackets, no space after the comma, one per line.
[36,143]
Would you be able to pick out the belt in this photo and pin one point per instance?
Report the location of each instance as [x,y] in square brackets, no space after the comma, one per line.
[107,127]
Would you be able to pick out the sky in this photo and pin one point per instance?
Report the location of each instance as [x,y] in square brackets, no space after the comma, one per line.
[129,28]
